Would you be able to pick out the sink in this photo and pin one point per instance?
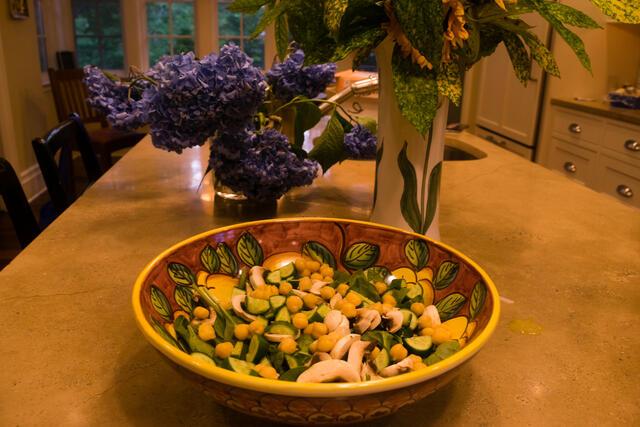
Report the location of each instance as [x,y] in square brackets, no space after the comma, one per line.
[456,150]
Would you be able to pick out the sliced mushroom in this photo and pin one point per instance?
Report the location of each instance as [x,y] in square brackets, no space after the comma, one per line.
[330,371]
[332,320]
[342,345]
[395,318]
[256,276]
[432,312]
[401,367]
[299,293]
[236,304]
[316,285]
[279,337]
[369,319]
[343,328]
[335,300]
[356,353]
[367,373]
[319,357]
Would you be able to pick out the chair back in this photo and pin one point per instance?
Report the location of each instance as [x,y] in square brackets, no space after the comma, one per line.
[58,176]
[24,222]
[70,96]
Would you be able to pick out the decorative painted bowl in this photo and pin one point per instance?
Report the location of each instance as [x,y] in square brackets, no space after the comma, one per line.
[465,296]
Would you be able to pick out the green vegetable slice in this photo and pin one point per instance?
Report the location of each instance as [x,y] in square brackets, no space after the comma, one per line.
[292,374]
[287,272]
[443,351]
[237,365]
[283,315]
[258,347]
[277,301]
[257,305]
[382,360]
[420,345]
[274,277]
[282,328]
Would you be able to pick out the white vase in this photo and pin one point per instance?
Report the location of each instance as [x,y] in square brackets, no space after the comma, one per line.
[408,165]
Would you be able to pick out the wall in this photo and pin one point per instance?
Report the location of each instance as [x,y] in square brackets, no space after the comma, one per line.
[27,111]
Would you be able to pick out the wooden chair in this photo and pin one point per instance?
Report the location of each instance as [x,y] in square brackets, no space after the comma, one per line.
[58,175]
[24,222]
[70,96]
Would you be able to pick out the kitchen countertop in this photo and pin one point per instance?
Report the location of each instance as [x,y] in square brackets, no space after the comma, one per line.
[600,108]
[562,254]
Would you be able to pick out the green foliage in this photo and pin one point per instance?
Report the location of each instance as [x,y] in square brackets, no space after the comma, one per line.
[268,17]
[422,21]
[247,6]
[519,56]
[627,11]
[570,16]
[416,90]
[541,54]
[307,116]
[282,36]
[329,146]
[333,12]
[307,26]
[450,82]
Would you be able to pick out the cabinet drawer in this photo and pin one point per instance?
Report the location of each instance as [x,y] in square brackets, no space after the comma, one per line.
[577,127]
[623,139]
[574,162]
[620,180]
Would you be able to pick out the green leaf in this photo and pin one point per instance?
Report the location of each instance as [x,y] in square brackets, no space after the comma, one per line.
[282,36]
[359,42]
[333,12]
[421,22]
[478,296]
[209,259]
[181,274]
[306,24]
[443,351]
[570,16]
[409,200]
[168,338]
[417,253]
[160,303]
[184,297]
[318,252]
[307,116]
[361,256]
[432,197]
[416,90]
[626,11]
[364,287]
[450,81]
[519,56]
[450,305]
[269,16]
[329,146]
[379,153]
[249,250]
[541,54]
[247,6]
[228,263]
[196,345]
[376,273]
[447,273]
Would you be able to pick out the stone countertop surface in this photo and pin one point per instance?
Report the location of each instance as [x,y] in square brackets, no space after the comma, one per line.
[563,255]
[600,108]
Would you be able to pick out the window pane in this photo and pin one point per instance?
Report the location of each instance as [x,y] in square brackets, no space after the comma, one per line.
[112,54]
[88,51]
[255,49]
[182,18]
[228,22]
[250,22]
[157,18]
[84,17]
[110,18]
[158,48]
[182,45]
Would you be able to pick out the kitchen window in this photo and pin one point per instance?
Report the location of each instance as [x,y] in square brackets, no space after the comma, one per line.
[42,37]
[237,28]
[98,33]
[170,28]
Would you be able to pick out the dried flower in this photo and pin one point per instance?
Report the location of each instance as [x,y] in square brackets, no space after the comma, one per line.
[290,78]
[360,143]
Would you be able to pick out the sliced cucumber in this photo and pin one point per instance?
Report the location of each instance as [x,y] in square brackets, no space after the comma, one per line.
[292,374]
[313,315]
[266,362]
[274,277]
[414,291]
[304,342]
[203,358]
[258,347]
[410,320]
[323,310]
[291,361]
[238,350]
[382,360]
[257,305]
[287,271]
[283,315]
[237,291]
[277,301]
[237,365]
[419,345]
[398,294]
[282,328]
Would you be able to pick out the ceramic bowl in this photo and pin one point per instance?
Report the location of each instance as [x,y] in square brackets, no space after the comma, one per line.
[465,296]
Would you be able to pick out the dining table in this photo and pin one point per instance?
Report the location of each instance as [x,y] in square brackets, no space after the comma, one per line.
[565,260]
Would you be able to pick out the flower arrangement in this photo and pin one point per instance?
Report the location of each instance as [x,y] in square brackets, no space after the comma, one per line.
[255,150]
[435,40]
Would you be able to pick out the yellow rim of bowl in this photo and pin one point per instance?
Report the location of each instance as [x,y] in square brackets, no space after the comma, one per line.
[287,388]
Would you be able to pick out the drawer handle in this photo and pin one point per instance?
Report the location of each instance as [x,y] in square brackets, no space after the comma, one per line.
[570,167]
[632,145]
[624,191]
[575,128]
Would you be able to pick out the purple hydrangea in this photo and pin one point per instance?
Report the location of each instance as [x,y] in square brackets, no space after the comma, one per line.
[360,143]
[112,99]
[290,78]
[260,165]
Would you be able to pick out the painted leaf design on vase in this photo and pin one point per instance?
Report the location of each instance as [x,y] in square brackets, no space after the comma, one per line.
[318,252]
[228,263]
[417,253]
[160,303]
[249,250]
[447,273]
[209,259]
[478,297]
[432,197]
[181,274]
[409,199]
[375,184]
[183,295]
[361,256]
[450,305]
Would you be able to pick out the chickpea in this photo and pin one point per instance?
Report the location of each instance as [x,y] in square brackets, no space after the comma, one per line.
[206,332]
[342,289]
[300,321]
[381,287]
[310,301]
[353,298]
[201,313]
[242,331]
[288,346]
[313,266]
[316,276]
[319,329]
[257,327]
[425,322]
[285,288]
[327,292]
[327,279]
[348,309]
[441,334]
[306,272]
[304,284]
[294,303]
[325,270]
[417,308]
[389,299]
[398,352]
[427,331]
[325,343]
[300,264]
[224,349]
[268,372]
